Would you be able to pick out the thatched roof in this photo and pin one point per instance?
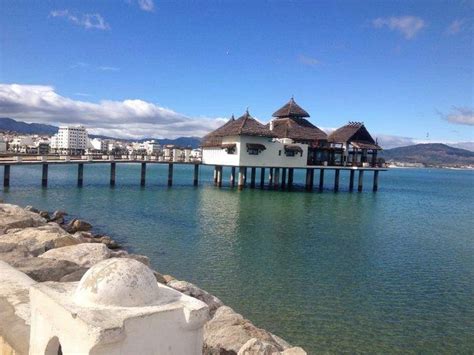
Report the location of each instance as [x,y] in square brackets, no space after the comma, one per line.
[291,109]
[354,132]
[298,129]
[245,125]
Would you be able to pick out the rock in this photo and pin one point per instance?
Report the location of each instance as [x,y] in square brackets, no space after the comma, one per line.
[11,252]
[85,255]
[58,215]
[32,209]
[141,258]
[227,332]
[258,347]
[41,269]
[109,242]
[159,277]
[74,276]
[78,225]
[12,216]
[82,237]
[192,290]
[45,215]
[168,278]
[39,239]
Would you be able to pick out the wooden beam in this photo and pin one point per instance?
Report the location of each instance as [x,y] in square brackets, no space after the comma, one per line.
[6,176]
[262,178]
[80,174]
[219,176]
[44,177]
[241,183]
[170,174]
[376,181]
[283,178]
[252,177]
[351,180]
[112,174]
[232,176]
[321,179]
[143,174]
[270,178]
[361,180]
[290,178]
[196,175]
[309,179]
[336,180]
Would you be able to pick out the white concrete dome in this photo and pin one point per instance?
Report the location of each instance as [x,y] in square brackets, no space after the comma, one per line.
[119,282]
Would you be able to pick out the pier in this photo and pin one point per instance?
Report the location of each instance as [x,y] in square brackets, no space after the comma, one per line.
[272,178]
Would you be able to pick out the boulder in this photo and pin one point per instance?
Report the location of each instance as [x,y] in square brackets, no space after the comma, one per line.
[109,242]
[32,209]
[42,269]
[39,239]
[85,255]
[227,332]
[192,290]
[11,252]
[74,276]
[294,351]
[12,216]
[78,225]
[159,277]
[141,258]
[45,215]
[168,278]
[58,215]
[258,347]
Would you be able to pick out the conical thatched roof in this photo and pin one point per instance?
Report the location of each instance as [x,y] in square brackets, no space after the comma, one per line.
[298,129]
[291,109]
[354,132]
[245,125]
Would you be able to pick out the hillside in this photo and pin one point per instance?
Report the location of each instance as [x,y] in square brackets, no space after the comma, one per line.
[11,125]
[433,154]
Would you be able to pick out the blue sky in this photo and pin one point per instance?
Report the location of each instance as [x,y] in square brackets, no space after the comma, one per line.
[143,67]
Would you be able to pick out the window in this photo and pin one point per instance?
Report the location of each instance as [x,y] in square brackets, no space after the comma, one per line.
[253,151]
[279,152]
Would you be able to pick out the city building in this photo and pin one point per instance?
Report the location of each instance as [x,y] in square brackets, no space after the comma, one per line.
[71,140]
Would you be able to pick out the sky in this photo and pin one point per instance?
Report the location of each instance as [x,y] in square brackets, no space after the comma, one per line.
[142,68]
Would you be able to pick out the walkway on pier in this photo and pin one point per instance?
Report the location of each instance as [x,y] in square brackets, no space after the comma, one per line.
[276,178]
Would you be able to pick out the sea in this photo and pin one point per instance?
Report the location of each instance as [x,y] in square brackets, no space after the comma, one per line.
[385,272]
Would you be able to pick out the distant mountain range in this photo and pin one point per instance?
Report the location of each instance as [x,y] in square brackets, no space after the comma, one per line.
[431,154]
[11,125]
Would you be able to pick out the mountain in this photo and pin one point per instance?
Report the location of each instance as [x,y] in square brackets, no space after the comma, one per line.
[463,145]
[11,125]
[432,154]
[8,124]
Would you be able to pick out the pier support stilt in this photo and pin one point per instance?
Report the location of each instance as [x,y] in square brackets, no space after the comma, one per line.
[44,177]
[245,176]
[361,180]
[232,176]
[253,172]
[170,174]
[112,174]
[80,174]
[276,178]
[6,176]
[262,178]
[196,175]
[290,178]
[270,178]
[376,181]
[143,175]
[309,179]
[215,173]
[336,180]
[321,180]
[241,182]
[351,180]
[283,178]
[219,176]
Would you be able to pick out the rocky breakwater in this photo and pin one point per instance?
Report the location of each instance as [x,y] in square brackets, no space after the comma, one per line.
[49,247]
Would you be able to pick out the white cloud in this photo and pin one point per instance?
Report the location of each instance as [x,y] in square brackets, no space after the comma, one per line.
[132,118]
[455,27]
[409,26]
[460,115]
[88,21]
[146,5]
[310,61]
[107,68]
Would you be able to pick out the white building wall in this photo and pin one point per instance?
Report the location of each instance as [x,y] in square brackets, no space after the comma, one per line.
[273,156]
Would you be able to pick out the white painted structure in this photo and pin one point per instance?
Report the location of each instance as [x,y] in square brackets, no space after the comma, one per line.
[3,145]
[117,308]
[70,139]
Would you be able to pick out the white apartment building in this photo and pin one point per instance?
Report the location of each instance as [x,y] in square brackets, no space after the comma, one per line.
[152,147]
[70,140]
[3,145]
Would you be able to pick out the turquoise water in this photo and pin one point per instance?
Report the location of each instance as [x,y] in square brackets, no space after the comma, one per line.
[332,272]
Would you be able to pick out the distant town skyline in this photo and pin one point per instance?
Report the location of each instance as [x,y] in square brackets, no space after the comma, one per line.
[159,69]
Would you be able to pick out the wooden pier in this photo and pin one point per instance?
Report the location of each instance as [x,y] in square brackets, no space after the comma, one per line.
[278,178]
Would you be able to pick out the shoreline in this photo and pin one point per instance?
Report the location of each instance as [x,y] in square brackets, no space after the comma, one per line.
[49,246]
